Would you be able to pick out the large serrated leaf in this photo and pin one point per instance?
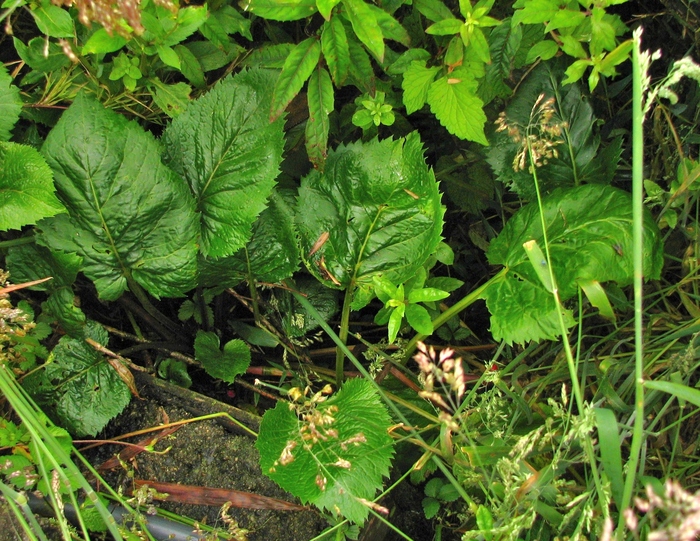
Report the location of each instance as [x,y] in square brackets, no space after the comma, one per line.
[342,470]
[320,101]
[271,255]
[378,207]
[86,391]
[31,262]
[26,187]
[129,216]
[579,139]
[10,104]
[589,229]
[454,102]
[297,68]
[229,153]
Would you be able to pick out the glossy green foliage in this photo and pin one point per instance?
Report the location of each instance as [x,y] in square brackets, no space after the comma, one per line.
[10,104]
[374,210]
[340,470]
[270,256]
[26,187]
[78,386]
[581,157]
[229,153]
[589,229]
[129,216]
[31,262]
[224,365]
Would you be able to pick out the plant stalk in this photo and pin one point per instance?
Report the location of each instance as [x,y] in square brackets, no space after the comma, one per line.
[638,257]
[343,335]
[17,242]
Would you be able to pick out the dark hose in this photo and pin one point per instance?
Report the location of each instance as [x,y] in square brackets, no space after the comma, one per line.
[160,528]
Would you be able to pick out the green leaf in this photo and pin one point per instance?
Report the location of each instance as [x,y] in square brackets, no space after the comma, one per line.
[403,62]
[229,153]
[130,217]
[325,7]
[681,392]
[433,10]
[10,105]
[296,320]
[590,238]
[373,224]
[254,335]
[172,99]
[444,283]
[297,69]
[271,255]
[280,10]
[536,11]
[390,27]
[395,320]
[416,83]
[168,56]
[419,318]
[27,193]
[101,43]
[231,22]
[610,455]
[340,470]
[87,392]
[360,67]
[225,365]
[210,57]
[61,305]
[364,22]
[190,66]
[53,21]
[427,294]
[34,54]
[270,56]
[334,44]
[430,507]
[595,293]
[320,101]
[446,27]
[454,102]
[545,50]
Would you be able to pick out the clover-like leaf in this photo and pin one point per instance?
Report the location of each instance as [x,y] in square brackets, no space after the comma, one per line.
[129,216]
[374,210]
[229,153]
[224,365]
[589,229]
[342,469]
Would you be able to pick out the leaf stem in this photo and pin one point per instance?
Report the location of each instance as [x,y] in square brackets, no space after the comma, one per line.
[343,335]
[16,242]
[142,297]
[453,310]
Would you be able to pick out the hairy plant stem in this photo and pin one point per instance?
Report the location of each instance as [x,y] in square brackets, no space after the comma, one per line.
[638,257]
[343,335]
[453,310]
[17,242]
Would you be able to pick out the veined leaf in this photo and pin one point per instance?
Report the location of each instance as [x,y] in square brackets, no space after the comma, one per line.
[390,27]
[416,83]
[229,153]
[320,100]
[224,365]
[129,215]
[364,23]
[379,208]
[101,42]
[10,103]
[53,21]
[280,10]
[360,66]
[454,102]
[445,27]
[434,10]
[297,69]
[325,7]
[590,238]
[271,255]
[85,391]
[334,44]
[341,472]
[190,66]
[27,193]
